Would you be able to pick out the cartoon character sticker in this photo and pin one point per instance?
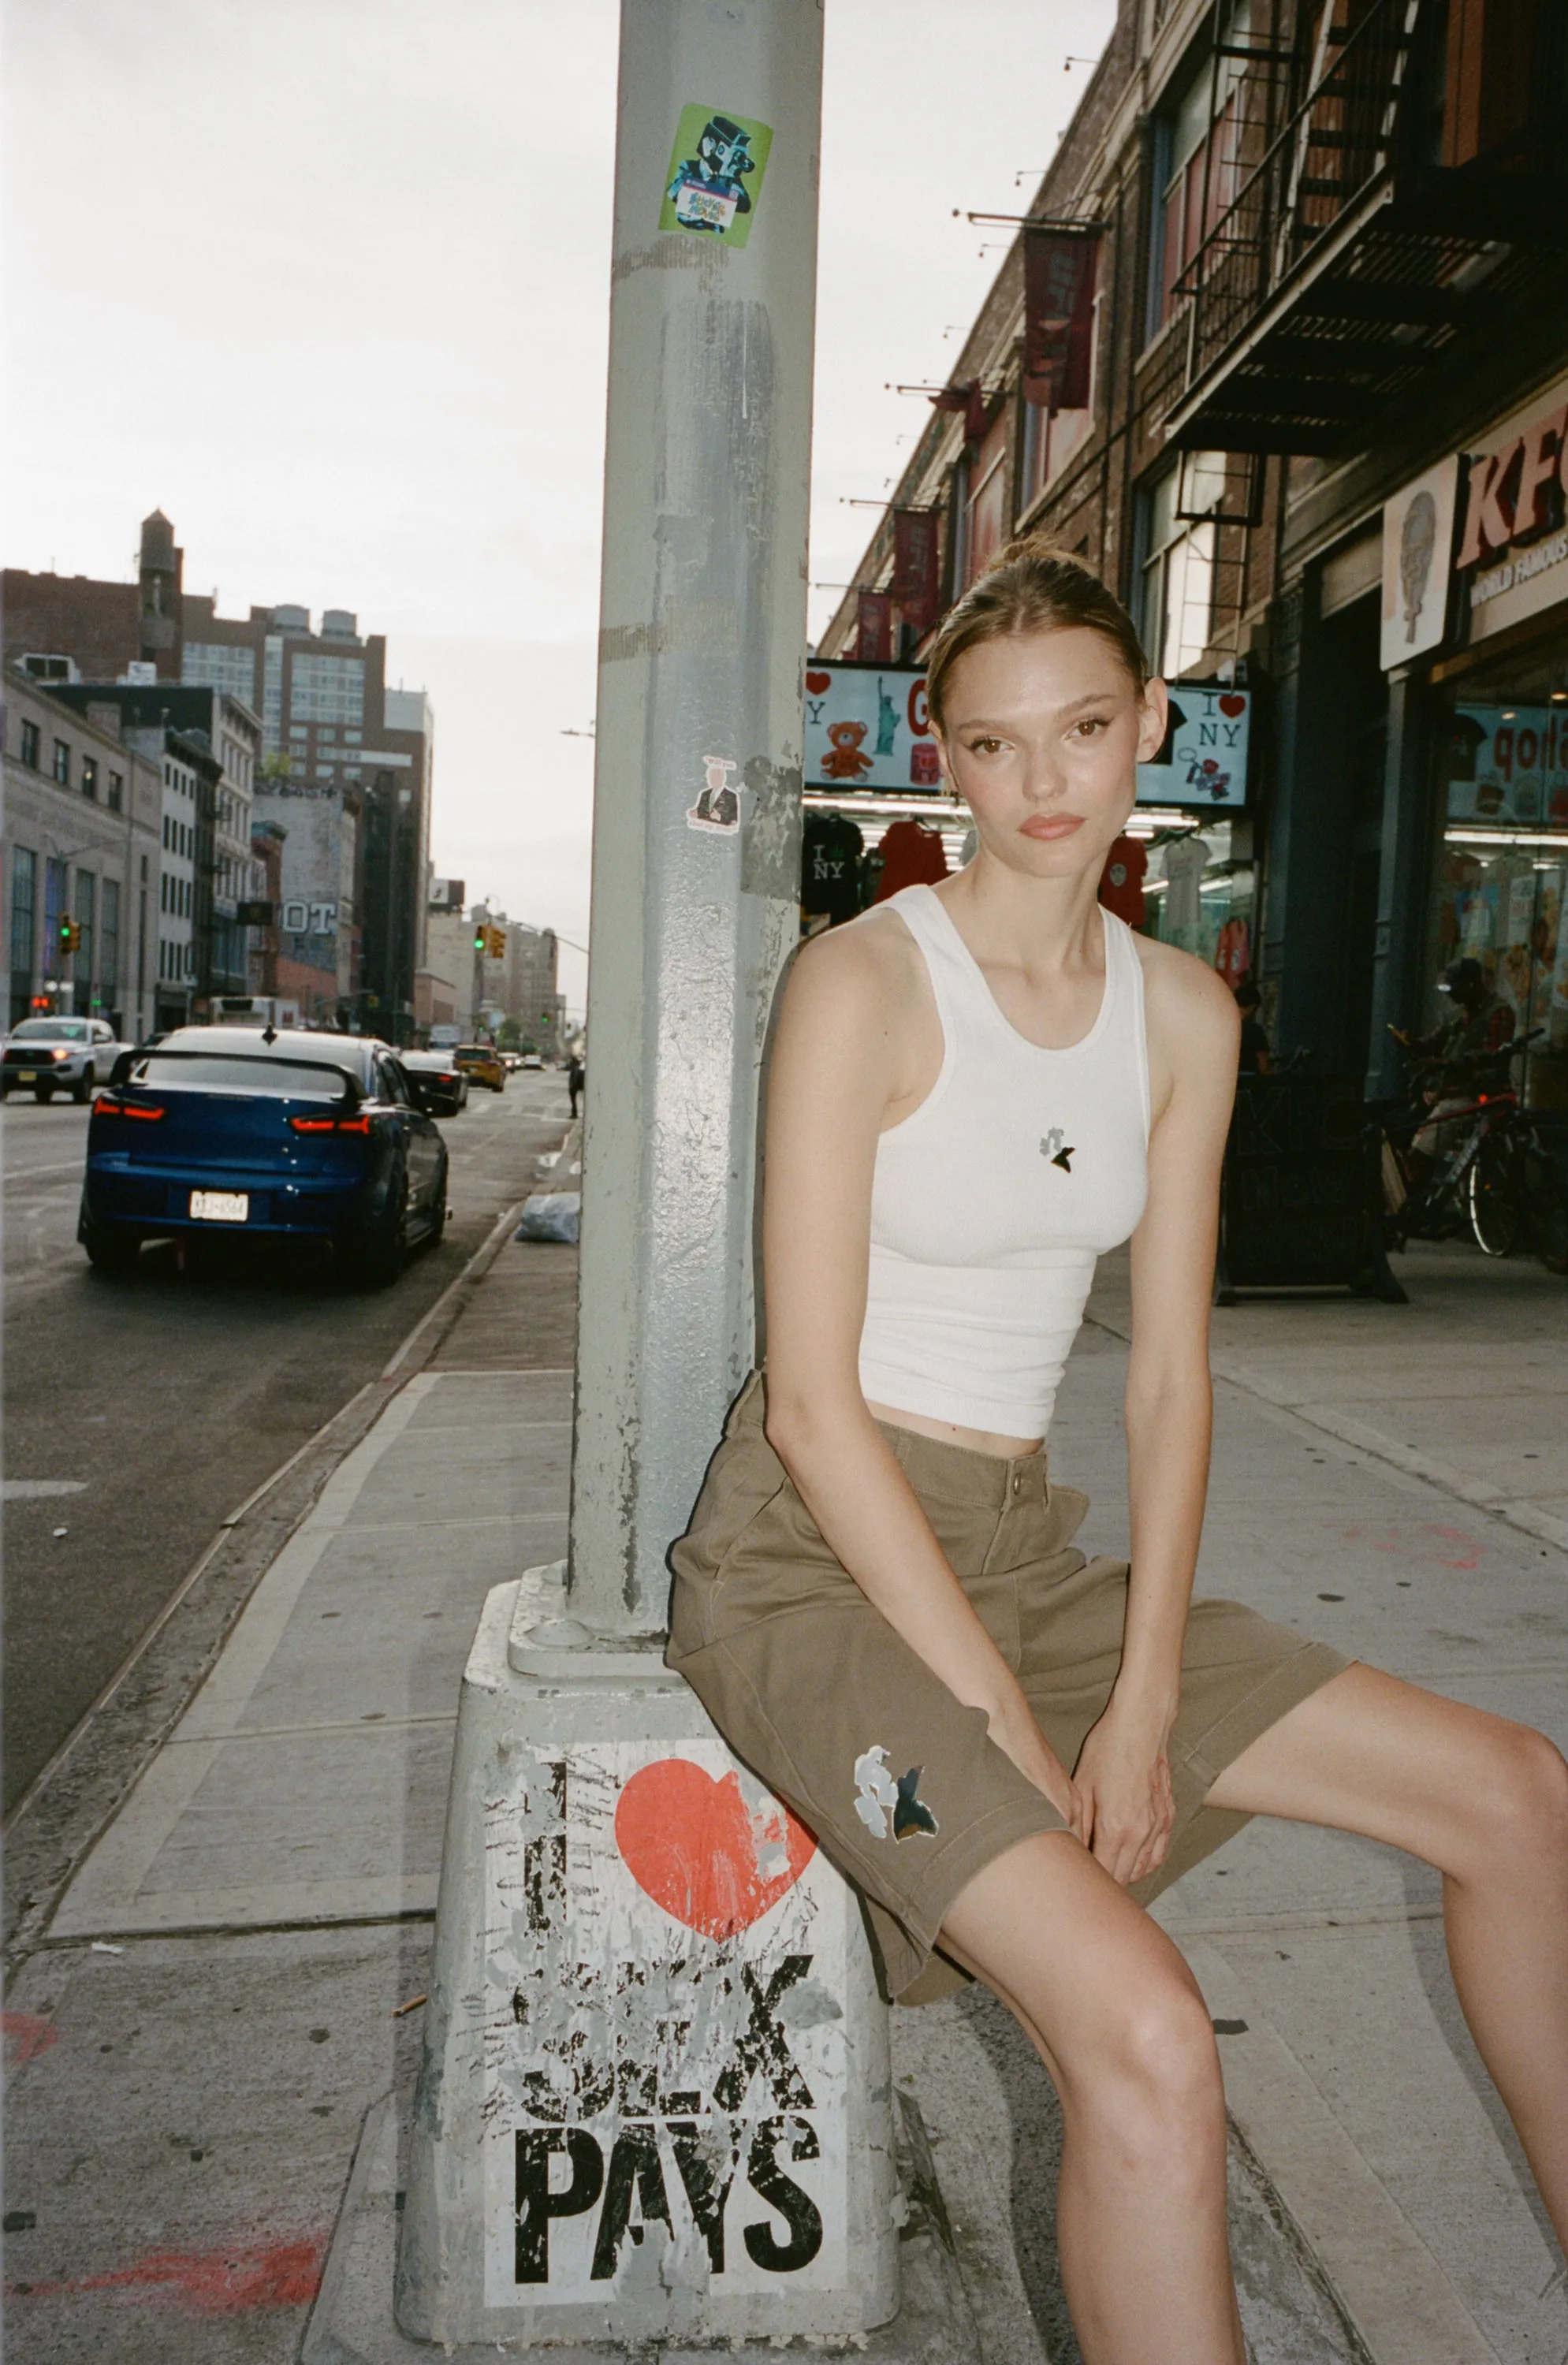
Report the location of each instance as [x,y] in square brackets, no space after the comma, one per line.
[715,174]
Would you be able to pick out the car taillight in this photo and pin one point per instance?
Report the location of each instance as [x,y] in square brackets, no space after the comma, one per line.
[330,1123]
[110,1104]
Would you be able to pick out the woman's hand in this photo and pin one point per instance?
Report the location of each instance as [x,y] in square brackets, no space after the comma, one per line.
[1015,1731]
[1123,1781]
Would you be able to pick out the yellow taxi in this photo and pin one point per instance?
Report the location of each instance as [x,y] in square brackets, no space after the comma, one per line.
[482,1064]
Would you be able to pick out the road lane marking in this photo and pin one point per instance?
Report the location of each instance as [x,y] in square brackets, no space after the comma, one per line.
[26,1174]
[34,1490]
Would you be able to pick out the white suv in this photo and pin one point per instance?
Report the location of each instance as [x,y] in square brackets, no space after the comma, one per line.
[45,1056]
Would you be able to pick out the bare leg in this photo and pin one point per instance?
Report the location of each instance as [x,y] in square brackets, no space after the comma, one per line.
[1119,2023]
[1485,1801]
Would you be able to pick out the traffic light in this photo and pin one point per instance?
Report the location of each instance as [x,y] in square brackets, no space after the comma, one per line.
[481,938]
[497,944]
[70,935]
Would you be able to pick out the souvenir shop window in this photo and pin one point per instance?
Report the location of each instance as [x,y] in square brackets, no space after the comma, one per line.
[1199,894]
[1501,892]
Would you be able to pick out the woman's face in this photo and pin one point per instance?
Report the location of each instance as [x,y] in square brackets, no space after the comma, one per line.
[1042,735]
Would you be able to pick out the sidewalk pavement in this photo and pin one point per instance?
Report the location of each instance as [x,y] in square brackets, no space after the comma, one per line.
[216,2002]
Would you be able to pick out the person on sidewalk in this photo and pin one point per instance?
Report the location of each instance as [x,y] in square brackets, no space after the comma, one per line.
[1253,1055]
[975,1089]
[576,1077]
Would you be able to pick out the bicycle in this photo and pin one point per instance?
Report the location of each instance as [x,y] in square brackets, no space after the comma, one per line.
[1496,1172]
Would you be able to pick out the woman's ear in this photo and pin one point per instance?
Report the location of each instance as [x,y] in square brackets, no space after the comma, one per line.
[1154,720]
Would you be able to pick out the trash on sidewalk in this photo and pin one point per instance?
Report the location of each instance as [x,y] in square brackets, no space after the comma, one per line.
[401,2011]
[551,1216]
[563,1165]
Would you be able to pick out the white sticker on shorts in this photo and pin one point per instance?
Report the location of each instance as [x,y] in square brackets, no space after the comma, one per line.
[879,1799]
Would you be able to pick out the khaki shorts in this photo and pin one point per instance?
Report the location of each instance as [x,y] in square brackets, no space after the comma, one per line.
[902,1784]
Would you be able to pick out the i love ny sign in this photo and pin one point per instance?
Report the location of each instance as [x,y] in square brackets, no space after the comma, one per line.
[663,2058]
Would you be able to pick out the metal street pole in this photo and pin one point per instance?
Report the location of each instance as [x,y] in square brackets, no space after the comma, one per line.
[697,755]
[656,2098]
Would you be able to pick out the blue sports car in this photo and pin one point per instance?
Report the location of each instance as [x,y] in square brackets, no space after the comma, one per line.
[291,1136]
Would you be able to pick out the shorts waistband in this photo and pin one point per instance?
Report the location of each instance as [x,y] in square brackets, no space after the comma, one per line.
[959,1473]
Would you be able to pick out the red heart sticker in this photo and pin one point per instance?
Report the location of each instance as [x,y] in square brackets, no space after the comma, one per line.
[693,1846]
[817,682]
[1231,704]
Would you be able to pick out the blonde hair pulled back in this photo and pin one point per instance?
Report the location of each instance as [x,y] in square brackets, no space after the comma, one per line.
[1031,587]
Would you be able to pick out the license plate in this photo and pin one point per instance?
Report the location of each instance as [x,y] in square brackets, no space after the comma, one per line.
[221,1207]
[27,1075]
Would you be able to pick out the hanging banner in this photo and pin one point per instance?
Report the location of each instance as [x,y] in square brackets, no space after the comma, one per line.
[1058,316]
[874,629]
[916,584]
[970,399]
[1204,760]
[867,727]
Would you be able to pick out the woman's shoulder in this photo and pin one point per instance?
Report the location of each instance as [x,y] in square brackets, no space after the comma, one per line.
[1189,1005]
[865,959]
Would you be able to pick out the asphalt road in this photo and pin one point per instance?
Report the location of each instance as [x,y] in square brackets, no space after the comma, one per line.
[140,1412]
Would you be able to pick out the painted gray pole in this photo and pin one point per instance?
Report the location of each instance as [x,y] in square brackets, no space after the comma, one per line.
[697,780]
[656,2098]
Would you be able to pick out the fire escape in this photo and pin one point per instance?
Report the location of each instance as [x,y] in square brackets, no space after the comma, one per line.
[1390,197]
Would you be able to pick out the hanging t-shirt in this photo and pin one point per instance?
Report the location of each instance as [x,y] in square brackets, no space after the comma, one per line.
[1121,882]
[831,848]
[913,856]
[1184,863]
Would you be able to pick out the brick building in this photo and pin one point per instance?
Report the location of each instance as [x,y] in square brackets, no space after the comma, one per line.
[1294,312]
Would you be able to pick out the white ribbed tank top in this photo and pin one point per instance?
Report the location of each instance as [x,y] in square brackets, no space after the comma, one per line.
[992,1201]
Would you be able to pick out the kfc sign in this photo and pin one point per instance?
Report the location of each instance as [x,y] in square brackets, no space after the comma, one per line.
[1514,540]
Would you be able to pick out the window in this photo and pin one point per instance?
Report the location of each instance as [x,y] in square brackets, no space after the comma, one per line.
[354,737]
[298,731]
[24,912]
[90,778]
[116,792]
[988,517]
[1179,563]
[30,745]
[108,944]
[84,915]
[56,885]
[1201,147]
[214,665]
[327,690]
[62,766]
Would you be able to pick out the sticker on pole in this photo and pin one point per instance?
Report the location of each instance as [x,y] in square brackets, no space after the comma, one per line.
[715,174]
[666,2073]
[718,806]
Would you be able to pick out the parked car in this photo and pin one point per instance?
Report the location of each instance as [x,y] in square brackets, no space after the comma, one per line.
[482,1064]
[295,1135]
[531,1059]
[45,1056]
[443,1085]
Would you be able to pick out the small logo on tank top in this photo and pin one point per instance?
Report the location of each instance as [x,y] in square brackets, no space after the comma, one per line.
[1058,1150]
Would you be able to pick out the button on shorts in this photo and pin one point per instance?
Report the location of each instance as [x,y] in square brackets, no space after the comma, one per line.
[901,1783]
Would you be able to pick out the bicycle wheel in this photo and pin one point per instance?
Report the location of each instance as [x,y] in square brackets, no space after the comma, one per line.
[1495,1189]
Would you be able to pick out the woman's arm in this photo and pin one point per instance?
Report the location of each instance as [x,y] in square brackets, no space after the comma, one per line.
[844,1059]
[1124,1773]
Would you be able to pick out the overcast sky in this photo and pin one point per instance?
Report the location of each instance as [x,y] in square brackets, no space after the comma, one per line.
[327,282]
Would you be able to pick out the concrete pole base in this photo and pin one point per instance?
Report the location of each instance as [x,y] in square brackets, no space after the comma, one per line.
[655,2100]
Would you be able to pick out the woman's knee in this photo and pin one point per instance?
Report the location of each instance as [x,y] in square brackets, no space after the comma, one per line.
[1516,1811]
[1152,2068]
